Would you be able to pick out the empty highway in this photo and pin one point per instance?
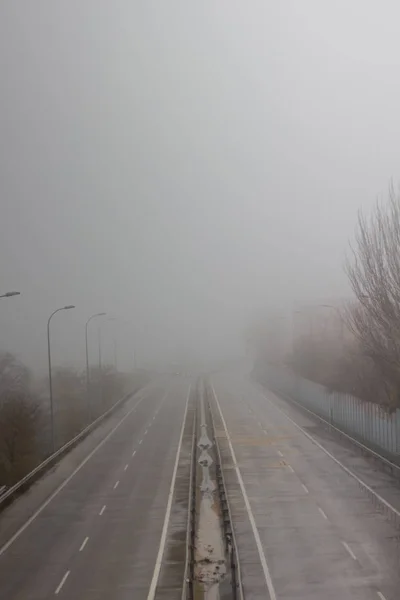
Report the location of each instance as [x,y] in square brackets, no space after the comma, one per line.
[305,529]
[115,524]
[99,537]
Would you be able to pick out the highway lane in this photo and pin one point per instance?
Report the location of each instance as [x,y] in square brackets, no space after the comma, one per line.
[309,531]
[100,535]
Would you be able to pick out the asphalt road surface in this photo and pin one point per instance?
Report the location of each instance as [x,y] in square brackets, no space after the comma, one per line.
[100,536]
[116,528]
[305,529]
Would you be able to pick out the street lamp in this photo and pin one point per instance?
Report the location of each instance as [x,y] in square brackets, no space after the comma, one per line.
[68,307]
[9,294]
[101,314]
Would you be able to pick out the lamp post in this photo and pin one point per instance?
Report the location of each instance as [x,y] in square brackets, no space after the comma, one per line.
[10,294]
[68,307]
[101,314]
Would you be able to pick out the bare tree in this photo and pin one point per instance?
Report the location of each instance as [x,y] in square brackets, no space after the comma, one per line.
[374,274]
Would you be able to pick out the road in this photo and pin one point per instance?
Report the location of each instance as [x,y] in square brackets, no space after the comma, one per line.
[99,536]
[116,525]
[305,529]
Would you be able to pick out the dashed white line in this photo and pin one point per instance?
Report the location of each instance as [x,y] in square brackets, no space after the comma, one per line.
[341,465]
[381,596]
[157,568]
[67,480]
[280,453]
[126,466]
[102,510]
[305,488]
[349,550]
[140,441]
[145,431]
[322,513]
[133,453]
[260,424]
[263,560]
[85,541]
[116,485]
[290,468]
[63,580]
[265,431]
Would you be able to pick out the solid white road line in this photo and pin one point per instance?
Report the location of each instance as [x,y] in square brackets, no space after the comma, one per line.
[133,453]
[125,467]
[304,488]
[68,479]
[322,513]
[267,574]
[341,465]
[102,510]
[290,468]
[85,541]
[116,485]
[63,580]
[349,550]
[157,568]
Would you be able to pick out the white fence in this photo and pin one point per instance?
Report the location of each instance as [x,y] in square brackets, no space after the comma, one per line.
[365,421]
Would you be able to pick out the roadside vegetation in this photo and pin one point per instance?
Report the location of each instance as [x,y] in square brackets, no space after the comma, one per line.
[365,362]
[25,433]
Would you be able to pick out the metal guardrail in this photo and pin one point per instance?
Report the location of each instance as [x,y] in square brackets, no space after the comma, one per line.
[230,539]
[38,471]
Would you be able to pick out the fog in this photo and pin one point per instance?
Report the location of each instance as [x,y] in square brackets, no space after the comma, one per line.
[182,165]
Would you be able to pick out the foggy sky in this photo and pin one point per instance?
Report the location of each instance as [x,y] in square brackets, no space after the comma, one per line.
[181,164]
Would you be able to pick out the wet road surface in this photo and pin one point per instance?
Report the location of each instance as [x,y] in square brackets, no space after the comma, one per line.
[305,529]
[99,537]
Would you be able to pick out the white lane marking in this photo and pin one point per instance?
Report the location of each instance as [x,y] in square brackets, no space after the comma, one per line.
[322,513]
[145,431]
[349,550]
[305,488]
[341,465]
[260,424]
[67,480]
[102,510]
[381,596]
[157,567]
[85,541]
[290,468]
[267,574]
[140,441]
[63,580]
[280,453]
[126,466]
[265,431]
[116,485]
[133,453]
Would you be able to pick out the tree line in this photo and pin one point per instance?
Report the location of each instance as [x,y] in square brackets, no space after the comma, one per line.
[25,433]
[366,363]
